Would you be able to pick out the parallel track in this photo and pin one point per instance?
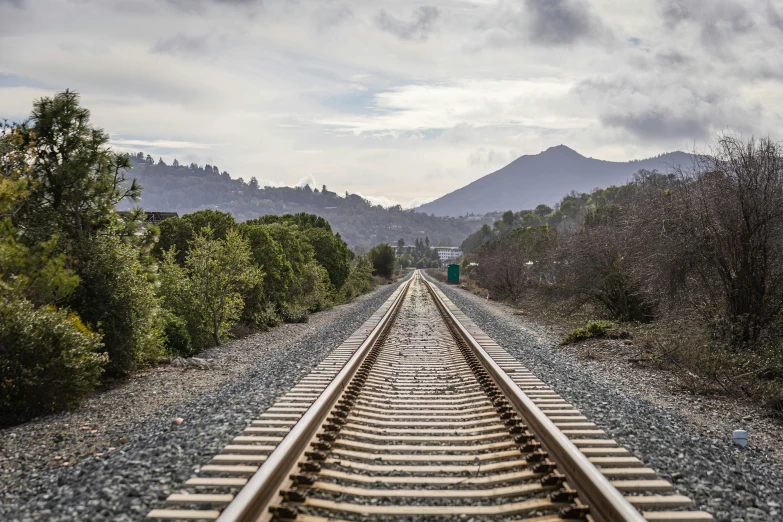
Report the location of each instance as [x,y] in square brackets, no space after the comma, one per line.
[420,415]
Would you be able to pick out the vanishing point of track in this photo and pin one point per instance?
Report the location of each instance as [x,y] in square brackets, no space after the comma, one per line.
[420,415]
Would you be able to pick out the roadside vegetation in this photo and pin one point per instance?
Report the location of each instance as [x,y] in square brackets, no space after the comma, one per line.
[87,293]
[692,260]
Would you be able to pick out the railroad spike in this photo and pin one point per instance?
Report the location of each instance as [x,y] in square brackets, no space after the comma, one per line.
[312,467]
[536,456]
[301,479]
[530,447]
[553,479]
[574,512]
[284,512]
[316,455]
[294,495]
[563,496]
[544,467]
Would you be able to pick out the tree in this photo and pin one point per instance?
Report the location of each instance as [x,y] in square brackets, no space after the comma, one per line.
[77,179]
[268,255]
[717,241]
[253,183]
[400,246]
[179,232]
[331,252]
[117,298]
[208,290]
[383,260]
[542,211]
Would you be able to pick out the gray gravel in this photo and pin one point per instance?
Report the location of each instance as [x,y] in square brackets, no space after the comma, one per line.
[732,483]
[125,484]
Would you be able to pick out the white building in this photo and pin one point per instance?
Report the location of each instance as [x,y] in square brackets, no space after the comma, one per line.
[448,254]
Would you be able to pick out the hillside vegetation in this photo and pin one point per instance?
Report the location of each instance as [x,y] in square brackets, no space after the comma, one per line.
[86,292]
[695,256]
[188,188]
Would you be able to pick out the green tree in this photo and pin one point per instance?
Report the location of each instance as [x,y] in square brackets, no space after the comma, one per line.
[179,232]
[208,290]
[117,298]
[542,211]
[77,179]
[360,279]
[331,252]
[383,259]
[265,300]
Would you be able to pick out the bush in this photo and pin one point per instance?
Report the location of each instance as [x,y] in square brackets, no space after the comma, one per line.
[382,257]
[208,291]
[360,279]
[116,298]
[593,329]
[48,360]
[178,341]
[319,290]
[264,300]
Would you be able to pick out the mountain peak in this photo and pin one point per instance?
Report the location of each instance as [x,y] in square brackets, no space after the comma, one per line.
[560,150]
[542,178]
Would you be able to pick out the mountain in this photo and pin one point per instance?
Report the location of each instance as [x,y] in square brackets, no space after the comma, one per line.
[188,188]
[543,178]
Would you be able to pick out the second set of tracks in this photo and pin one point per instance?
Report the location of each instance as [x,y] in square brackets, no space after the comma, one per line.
[420,415]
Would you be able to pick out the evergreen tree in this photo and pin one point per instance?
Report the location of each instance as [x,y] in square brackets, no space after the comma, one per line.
[76,179]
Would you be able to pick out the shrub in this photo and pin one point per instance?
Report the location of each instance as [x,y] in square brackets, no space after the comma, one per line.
[178,341]
[48,360]
[382,257]
[593,329]
[207,292]
[116,298]
[264,301]
[319,290]
[331,252]
[360,279]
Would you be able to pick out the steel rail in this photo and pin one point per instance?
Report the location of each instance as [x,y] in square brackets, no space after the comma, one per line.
[606,503]
[252,501]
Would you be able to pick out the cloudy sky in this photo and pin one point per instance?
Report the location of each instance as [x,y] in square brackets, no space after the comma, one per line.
[401,100]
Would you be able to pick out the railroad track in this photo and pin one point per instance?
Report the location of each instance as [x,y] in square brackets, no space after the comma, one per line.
[420,415]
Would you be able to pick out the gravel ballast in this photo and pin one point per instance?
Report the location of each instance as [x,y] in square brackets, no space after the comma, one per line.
[153,457]
[734,484]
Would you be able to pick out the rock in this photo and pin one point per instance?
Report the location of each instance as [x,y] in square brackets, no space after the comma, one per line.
[123,440]
[178,421]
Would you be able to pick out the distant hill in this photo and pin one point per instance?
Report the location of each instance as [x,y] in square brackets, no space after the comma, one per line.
[543,178]
[185,189]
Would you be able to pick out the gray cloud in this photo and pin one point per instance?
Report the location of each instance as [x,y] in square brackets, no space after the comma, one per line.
[660,122]
[719,21]
[419,28]
[15,3]
[331,15]
[181,44]
[773,16]
[195,6]
[550,23]
[664,108]
[672,58]
[561,22]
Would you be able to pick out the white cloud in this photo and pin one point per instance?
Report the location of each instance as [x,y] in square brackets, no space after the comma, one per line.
[417,202]
[307,180]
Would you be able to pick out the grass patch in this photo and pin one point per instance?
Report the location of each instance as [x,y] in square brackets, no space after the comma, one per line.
[594,330]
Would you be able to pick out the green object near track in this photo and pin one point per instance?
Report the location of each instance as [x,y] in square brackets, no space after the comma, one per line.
[452,274]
